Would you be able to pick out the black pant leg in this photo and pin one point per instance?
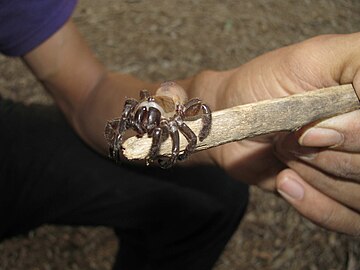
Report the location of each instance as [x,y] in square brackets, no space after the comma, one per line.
[166,219]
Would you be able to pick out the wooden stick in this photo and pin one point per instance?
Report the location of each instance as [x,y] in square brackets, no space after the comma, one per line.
[264,117]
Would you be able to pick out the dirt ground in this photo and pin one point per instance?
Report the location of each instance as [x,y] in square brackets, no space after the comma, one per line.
[168,39]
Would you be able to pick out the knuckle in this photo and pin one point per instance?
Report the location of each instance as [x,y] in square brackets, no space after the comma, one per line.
[342,166]
[352,129]
[328,218]
[346,166]
[356,232]
[300,70]
[335,218]
[338,163]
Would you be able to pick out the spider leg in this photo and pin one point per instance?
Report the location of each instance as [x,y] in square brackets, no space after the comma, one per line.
[138,122]
[129,107]
[153,120]
[114,150]
[192,108]
[159,135]
[190,137]
[156,143]
[174,134]
[110,130]
[115,138]
[206,120]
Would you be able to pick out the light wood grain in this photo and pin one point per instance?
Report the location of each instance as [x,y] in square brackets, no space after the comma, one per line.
[268,116]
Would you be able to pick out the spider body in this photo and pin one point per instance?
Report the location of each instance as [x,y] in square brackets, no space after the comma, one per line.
[160,116]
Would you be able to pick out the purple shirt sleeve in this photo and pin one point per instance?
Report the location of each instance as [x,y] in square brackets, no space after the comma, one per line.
[25,24]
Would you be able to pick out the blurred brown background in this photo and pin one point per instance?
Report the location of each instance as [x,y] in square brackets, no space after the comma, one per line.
[168,39]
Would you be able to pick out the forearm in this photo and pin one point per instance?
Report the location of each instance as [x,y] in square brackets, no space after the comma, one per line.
[79,83]
[66,67]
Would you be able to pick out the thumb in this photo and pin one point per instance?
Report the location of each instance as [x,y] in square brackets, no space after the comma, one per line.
[315,205]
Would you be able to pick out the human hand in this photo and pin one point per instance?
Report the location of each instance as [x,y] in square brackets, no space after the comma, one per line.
[323,179]
[316,63]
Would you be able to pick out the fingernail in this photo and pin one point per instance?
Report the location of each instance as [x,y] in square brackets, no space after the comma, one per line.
[321,137]
[305,153]
[287,147]
[291,188]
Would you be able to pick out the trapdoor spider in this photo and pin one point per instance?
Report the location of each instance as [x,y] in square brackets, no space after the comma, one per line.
[159,117]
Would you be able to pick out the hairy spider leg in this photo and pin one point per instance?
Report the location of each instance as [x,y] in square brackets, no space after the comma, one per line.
[174,135]
[111,129]
[129,107]
[190,137]
[155,145]
[154,131]
[114,150]
[192,108]
[206,121]
[160,134]
[110,135]
[137,122]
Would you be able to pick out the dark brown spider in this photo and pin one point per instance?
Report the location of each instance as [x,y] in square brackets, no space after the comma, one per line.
[159,117]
